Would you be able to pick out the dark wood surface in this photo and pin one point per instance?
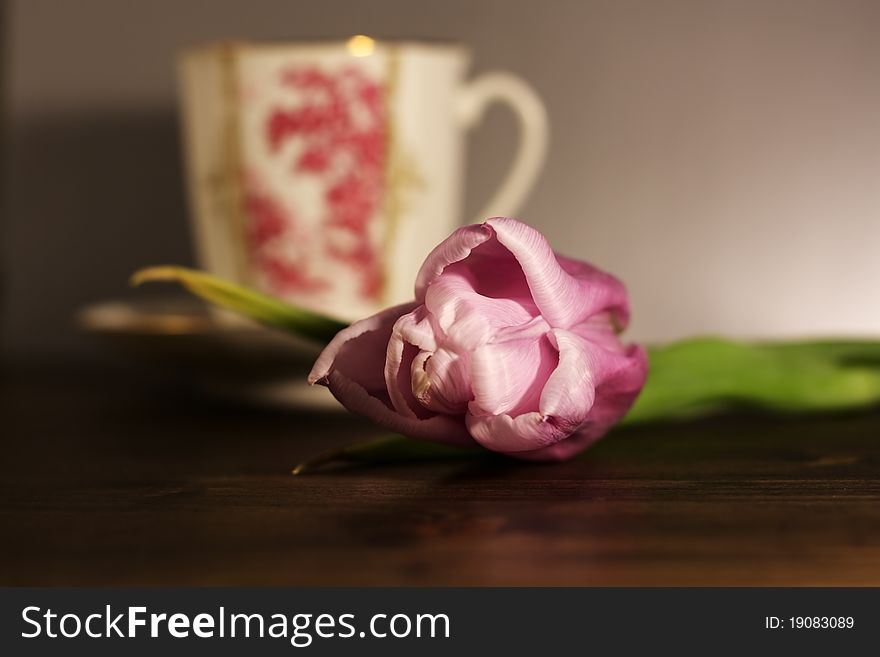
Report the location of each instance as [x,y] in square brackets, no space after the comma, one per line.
[105,482]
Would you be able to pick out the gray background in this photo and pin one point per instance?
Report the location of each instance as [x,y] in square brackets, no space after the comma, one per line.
[722,157]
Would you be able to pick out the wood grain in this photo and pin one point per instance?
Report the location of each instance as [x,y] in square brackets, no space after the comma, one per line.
[108,482]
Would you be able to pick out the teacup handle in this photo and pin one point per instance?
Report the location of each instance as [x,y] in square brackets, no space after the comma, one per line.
[475,97]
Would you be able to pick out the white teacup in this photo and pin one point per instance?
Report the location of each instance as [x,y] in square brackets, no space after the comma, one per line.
[324,173]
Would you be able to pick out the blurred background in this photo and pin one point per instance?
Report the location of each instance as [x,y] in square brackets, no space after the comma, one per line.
[721,157]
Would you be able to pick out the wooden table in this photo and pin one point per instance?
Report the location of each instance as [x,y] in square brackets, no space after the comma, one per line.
[106,482]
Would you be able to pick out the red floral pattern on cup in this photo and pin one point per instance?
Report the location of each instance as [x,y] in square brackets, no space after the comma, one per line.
[340,129]
[270,232]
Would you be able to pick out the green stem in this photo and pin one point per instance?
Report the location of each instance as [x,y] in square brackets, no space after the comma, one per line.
[387,449]
[250,303]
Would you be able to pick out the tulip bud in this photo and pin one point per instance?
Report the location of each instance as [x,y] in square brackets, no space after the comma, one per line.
[507,345]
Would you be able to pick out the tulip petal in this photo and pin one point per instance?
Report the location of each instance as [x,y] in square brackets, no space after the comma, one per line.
[410,332]
[562,394]
[442,381]
[466,317]
[614,396]
[439,428]
[516,435]
[480,265]
[525,270]
[352,366]
[616,298]
[588,392]
[509,373]
[358,351]
[566,291]
[454,248]
[601,330]
[571,389]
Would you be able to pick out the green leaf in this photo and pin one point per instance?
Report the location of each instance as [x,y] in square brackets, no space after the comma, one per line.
[250,303]
[704,376]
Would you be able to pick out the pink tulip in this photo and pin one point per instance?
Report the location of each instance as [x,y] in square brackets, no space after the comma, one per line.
[507,345]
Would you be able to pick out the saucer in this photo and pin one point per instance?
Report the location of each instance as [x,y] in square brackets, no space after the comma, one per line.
[222,354]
